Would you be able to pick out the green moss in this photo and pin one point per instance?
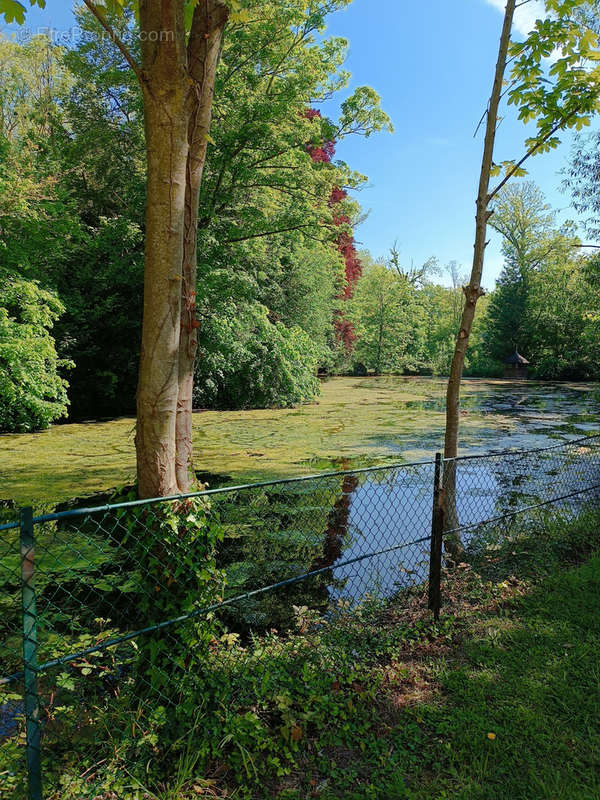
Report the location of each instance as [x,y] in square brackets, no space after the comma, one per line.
[355,421]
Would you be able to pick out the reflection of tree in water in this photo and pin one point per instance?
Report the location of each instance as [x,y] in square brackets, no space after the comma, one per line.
[337,528]
[281,533]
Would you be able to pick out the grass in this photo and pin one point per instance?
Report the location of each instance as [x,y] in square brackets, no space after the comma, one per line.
[529,676]
[510,710]
[355,421]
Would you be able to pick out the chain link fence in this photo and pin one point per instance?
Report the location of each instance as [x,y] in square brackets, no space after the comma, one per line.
[132,628]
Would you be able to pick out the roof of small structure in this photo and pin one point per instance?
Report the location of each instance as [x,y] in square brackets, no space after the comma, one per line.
[517,359]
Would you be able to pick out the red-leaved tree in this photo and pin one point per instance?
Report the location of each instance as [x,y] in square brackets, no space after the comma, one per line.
[323,153]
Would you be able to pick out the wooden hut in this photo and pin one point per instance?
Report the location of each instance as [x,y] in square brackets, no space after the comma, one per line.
[516,367]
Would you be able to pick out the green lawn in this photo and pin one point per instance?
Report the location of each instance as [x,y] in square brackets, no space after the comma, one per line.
[531,676]
[510,710]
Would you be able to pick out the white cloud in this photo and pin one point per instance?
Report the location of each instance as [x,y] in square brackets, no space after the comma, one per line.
[525,15]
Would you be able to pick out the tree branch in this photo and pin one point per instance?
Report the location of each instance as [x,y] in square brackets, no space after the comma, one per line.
[532,150]
[116,39]
[268,233]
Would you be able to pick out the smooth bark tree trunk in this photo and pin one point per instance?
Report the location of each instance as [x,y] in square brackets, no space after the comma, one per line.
[177,82]
[472,293]
[204,49]
[165,95]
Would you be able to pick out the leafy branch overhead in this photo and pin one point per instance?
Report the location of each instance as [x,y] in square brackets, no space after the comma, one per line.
[554,80]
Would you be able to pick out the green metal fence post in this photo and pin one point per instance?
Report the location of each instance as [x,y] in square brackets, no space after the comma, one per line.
[437,535]
[31,695]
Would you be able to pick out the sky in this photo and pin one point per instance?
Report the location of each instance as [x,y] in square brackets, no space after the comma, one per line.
[432,63]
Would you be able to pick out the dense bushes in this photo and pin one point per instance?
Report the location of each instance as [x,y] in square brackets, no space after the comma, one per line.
[249,361]
[32,391]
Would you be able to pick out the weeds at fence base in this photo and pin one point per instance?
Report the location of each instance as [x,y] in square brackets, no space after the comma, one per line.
[269,709]
[300,738]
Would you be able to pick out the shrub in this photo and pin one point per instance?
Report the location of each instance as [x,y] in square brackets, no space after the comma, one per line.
[248,361]
[32,390]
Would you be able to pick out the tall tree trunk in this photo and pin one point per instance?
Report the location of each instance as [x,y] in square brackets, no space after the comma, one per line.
[178,84]
[204,48]
[165,91]
[378,360]
[473,291]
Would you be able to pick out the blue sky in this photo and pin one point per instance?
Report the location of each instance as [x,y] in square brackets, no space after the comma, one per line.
[432,63]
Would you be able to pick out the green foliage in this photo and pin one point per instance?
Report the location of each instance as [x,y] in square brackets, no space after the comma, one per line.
[565,93]
[72,197]
[265,204]
[173,546]
[443,308]
[388,319]
[249,360]
[100,329]
[258,714]
[13,11]
[544,302]
[33,392]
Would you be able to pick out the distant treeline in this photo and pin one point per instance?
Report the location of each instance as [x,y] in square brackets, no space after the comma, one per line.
[546,303]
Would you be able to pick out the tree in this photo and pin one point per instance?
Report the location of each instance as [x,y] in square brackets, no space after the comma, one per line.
[32,77]
[266,205]
[543,303]
[180,48]
[564,99]
[79,166]
[443,307]
[274,205]
[253,361]
[176,68]
[543,299]
[388,320]
[416,276]
[33,393]
[563,318]
[474,290]
[323,153]
[525,222]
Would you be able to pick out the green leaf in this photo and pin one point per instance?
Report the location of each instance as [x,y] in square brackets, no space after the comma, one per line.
[190,7]
[12,11]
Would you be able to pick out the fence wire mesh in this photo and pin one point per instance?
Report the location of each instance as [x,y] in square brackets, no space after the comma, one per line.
[158,623]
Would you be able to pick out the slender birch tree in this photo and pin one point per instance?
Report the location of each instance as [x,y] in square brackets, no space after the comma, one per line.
[562,95]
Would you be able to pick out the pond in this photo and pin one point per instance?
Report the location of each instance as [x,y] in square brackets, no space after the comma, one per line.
[367,532]
[327,523]
[357,421]
[500,415]
[389,514]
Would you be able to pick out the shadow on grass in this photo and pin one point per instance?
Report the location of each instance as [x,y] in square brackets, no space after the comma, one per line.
[531,679]
[516,714]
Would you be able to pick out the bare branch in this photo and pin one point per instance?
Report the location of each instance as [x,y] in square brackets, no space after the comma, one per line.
[116,39]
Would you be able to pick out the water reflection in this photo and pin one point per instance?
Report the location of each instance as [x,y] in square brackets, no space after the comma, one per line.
[387,510]
[338,526]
